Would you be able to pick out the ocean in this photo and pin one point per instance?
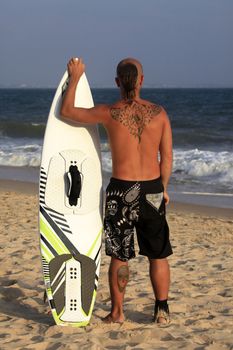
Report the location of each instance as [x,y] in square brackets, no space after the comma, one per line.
[202,124]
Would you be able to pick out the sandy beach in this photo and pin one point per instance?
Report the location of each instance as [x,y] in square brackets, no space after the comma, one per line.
[201,293]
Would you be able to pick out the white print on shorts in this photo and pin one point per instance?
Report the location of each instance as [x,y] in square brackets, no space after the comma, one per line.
[111,207]
[155,199]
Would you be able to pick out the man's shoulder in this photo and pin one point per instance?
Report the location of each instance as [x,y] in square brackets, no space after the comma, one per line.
[102,107]
[144,107]
[155,108]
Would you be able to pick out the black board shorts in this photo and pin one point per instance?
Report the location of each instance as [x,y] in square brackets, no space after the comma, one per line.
[136,205]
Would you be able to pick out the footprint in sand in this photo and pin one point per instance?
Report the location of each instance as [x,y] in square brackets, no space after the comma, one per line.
[226,293]
[12,293]
[7,283]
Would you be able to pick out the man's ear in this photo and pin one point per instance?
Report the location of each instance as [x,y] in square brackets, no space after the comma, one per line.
[117,81]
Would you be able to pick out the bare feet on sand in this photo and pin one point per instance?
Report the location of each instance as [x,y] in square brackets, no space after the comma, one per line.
[113,319]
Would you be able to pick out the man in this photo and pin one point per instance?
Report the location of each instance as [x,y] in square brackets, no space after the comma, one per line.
[138,131]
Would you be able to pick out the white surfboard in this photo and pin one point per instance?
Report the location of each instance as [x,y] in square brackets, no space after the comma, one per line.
[71,211]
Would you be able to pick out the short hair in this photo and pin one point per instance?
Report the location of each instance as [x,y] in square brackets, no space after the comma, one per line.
[127,73]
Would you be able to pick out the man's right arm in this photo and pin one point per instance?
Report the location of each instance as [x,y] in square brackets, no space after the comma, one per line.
[165,149]
[68,111]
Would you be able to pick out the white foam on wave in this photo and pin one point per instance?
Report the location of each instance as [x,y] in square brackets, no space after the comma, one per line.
[195,163]
[197,166]
[107,161]
[213,166]
[105,147]
[20,154]
[199,162]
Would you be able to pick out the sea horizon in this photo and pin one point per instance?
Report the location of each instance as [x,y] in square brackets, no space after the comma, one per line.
[25,87]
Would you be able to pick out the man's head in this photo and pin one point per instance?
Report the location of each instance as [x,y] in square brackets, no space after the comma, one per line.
[129,77]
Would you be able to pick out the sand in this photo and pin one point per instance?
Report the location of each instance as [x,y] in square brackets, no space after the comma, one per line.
[201,293]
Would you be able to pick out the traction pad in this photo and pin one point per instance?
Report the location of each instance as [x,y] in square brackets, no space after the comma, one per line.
[57,185]
[65,280]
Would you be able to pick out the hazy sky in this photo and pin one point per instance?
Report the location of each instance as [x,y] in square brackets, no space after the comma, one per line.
[179,42]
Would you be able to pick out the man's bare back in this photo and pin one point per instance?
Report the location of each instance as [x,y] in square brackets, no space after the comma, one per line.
[135,131]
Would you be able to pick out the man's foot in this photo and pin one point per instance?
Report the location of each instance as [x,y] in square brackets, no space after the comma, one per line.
[110,319]
[161,313]
[162,318]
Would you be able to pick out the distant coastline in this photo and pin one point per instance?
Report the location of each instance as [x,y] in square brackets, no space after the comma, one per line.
[29,87]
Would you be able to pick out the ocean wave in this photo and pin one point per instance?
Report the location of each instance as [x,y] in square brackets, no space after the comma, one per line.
[30,129]
[107,161]
[20,160]
[206,166]
[202,163]
[104,147]
[21,129]
[20,155]
[196,166]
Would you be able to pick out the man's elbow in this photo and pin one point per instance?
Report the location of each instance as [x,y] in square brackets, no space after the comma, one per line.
[64,113]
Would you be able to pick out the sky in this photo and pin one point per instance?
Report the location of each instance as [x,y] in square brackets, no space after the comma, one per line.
[181,43]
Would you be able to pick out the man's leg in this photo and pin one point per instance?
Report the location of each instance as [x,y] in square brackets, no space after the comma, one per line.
[118,279]
[160,279]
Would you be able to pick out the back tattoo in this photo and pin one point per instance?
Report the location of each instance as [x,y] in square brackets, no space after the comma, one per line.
[135,116]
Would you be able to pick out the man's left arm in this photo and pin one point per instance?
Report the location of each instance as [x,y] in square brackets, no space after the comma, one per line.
[68,111]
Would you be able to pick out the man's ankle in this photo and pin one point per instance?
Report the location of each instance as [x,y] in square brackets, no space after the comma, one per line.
[117,315]
[162,304]
[117,311]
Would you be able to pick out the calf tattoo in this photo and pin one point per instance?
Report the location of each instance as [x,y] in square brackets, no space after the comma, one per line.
[135,116]
[122,277]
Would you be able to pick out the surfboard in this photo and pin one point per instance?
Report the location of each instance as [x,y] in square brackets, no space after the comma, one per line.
[70,217]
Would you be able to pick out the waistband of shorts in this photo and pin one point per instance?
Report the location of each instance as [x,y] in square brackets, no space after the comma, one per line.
[144,184]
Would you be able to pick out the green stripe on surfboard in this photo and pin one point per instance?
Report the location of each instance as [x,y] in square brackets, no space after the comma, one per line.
[94,243]
[53,239]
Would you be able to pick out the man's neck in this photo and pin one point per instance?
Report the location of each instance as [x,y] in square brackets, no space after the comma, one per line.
[135,98]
